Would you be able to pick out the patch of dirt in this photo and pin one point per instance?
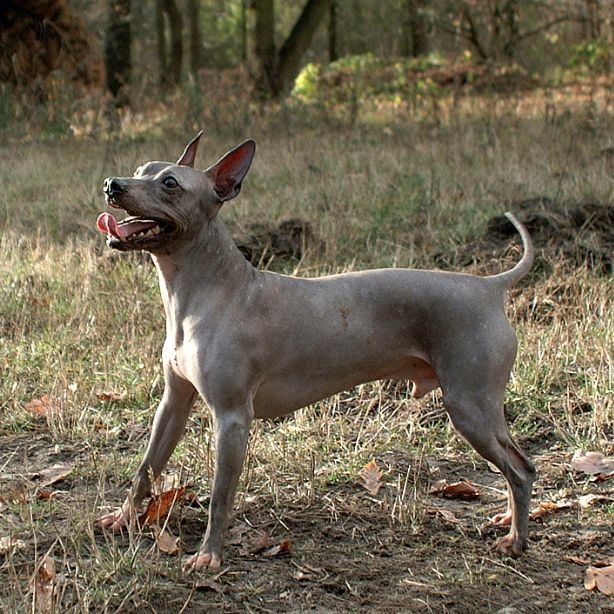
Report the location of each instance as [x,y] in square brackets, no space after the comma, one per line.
[576,235]
[264,242]
[345,549]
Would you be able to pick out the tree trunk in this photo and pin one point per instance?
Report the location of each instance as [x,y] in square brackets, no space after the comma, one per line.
[289,59]
[244,55]
[161,44]
[415,29]
[170,49]
[117,51]
[271,71]
[263,48]
[510,15]
[196,44]
[333,51]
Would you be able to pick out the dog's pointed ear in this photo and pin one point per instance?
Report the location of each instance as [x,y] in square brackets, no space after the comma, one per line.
[230,170]
[189,153]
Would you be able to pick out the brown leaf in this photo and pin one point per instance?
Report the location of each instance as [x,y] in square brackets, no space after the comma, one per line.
[447,515]
[600,578]
[43,406]
[283,547]
[370,477]
[545,507]
[255,543]
[593,463]
[208,585]
[586,501]
[236,534]
[578,560]
[459,490]
[8,543]
[159,506]
[42,583]
[110,396]
[47,494]
[167,542]
[55,473]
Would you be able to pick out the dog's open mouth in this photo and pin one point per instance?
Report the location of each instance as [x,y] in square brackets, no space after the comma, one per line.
[134,231]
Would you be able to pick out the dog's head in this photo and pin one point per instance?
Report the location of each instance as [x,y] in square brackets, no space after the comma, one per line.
[167,202]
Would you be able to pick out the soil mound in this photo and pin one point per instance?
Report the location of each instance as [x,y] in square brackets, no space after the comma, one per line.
[577,235]
[265,242]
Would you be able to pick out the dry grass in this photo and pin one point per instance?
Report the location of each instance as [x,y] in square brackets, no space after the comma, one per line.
[76,322]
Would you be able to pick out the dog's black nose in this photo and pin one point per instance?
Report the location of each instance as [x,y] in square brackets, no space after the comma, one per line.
[112,187]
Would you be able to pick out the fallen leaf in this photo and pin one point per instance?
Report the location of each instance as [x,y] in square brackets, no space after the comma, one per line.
[236,534]
[8,543]
[459,490]
[370,477]
[43,406]
[255,543]
[43,583]
[447,515]
[578,560]
[47,494]
[55,473]
[110,396]
[159,506]
[283,547]
[548,506]
[600,578]
[167,542]
[586,501]
[208,585]
[594,464]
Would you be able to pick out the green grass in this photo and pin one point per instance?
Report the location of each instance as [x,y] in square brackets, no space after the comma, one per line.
[388,189]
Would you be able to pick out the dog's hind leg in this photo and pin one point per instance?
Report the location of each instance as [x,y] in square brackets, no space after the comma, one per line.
[473,392]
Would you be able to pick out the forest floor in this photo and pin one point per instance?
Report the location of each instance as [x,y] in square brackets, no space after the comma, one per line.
[81,331]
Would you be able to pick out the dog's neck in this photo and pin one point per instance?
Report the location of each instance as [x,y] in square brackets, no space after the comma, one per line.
[208,266]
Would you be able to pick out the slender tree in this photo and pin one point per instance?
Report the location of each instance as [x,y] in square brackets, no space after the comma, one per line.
[333,50]
[196,44]
[169,27]
[415,40]
[117,50]
[273,70]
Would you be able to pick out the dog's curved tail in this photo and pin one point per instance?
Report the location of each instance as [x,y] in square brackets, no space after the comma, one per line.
[509,278]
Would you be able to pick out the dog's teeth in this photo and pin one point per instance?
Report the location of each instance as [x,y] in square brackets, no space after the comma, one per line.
[156,230]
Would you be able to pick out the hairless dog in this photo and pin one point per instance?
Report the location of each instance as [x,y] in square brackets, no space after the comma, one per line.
[254,344]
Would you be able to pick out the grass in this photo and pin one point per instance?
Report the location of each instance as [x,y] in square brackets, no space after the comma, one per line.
[77,323]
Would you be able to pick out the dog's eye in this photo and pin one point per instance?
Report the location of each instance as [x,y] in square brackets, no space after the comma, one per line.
[170,182]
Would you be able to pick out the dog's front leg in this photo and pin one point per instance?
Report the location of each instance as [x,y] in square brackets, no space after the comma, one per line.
[168,427]
[231,434]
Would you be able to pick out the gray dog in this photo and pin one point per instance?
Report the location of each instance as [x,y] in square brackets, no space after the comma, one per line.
[255,344]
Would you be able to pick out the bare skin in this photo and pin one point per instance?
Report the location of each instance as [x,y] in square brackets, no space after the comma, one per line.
[254,344]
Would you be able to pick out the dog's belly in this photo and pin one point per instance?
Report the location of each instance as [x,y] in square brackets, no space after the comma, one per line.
[286,392]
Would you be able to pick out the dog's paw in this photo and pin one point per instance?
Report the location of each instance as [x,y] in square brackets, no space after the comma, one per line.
[502,520]
[117,519]
[202,560]
[510,545]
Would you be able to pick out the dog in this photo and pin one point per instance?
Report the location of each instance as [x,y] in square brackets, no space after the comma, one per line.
[255,344]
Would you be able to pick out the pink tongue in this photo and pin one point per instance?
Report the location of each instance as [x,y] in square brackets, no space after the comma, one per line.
[108,224]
